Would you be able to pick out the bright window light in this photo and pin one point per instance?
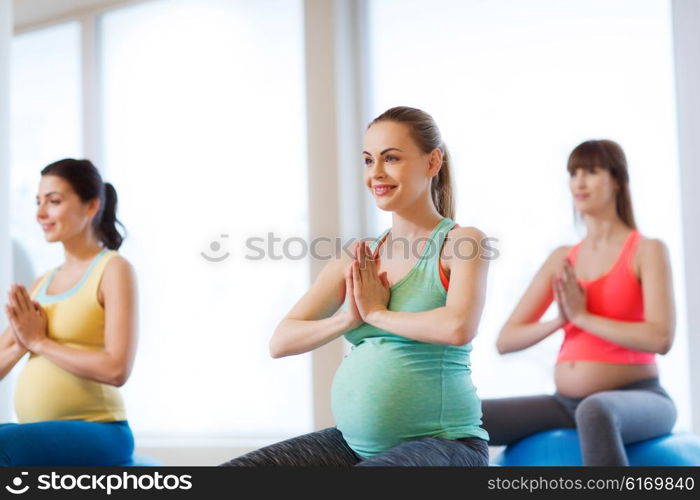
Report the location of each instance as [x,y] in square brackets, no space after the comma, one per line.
[204,140]
[45,126]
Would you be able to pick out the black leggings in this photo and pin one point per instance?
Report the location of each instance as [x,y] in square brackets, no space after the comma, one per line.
[606,421]
[328,448]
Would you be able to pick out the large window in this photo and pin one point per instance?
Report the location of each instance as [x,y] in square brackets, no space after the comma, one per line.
[204,140]
[514,86]
[45,126]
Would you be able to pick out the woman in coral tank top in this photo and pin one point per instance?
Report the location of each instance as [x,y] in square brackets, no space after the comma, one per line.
[615,301]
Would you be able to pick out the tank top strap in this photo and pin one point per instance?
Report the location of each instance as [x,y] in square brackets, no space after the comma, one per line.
[628,250]
[437,239]
[430,253]
[573,251]
[93,280]
[40,293]
[374,244]
[43,283]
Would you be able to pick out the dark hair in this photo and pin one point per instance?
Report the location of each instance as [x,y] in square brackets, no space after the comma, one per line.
[426,135]
[87,183]
[609,155]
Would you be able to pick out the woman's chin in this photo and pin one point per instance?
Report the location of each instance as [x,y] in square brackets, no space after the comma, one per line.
[589,211]
[387,207]
[385,204]
[584,208]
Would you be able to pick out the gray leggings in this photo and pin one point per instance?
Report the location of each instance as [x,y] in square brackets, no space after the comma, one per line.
[328,448]
[606,421]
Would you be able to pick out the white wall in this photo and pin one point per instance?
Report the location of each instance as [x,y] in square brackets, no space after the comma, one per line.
[686,37]
[5,244]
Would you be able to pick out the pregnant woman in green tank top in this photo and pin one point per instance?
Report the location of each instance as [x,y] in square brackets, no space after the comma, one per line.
[403,395]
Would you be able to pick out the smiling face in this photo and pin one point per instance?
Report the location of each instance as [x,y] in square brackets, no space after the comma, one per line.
[60,211]
[593,188]
[397,171]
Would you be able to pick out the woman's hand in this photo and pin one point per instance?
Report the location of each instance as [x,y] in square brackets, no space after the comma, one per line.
[355,318]
[571,297]
[28,319]
[371,290]
[561,315]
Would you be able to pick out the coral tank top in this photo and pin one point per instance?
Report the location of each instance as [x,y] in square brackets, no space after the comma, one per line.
[616,295]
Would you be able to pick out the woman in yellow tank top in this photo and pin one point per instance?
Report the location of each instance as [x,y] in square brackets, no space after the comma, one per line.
[78,324]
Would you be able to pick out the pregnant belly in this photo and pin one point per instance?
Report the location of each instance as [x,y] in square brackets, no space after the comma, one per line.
[579,379]
[387,392]
[46,391]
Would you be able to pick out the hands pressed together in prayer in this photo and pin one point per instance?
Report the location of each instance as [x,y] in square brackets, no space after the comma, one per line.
[569,294]
[367,291]
[27,318]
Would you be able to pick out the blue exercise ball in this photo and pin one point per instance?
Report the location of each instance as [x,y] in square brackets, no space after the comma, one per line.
[680,449]
[548,448]
[561,447]
[143,461]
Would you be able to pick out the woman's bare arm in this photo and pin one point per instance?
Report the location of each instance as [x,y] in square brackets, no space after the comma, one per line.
[524,328]
[10,350]
[309,323]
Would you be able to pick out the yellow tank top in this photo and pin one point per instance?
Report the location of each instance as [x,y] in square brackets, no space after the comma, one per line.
[45,391]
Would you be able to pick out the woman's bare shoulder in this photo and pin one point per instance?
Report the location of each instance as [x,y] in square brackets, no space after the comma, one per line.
[651,250]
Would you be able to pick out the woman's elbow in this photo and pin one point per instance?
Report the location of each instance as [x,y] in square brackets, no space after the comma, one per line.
[276,351]
[665,343]
[461,335]
[502,348]
[119,378]
[276,347]
[502,345]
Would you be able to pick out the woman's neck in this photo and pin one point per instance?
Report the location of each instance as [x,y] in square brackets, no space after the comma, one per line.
[602,230]
[416,221]
[414,227]
[81,248]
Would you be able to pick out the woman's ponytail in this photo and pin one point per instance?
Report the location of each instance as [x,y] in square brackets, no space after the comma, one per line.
[107,226]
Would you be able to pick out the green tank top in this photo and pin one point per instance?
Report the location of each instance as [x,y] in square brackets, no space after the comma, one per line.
[389,388]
